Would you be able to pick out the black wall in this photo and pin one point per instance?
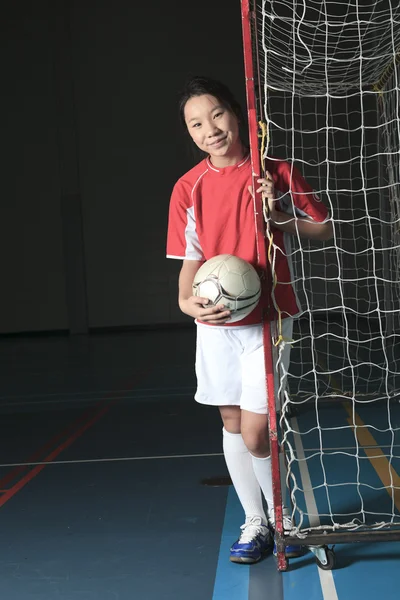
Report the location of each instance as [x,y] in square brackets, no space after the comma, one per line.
[91,147]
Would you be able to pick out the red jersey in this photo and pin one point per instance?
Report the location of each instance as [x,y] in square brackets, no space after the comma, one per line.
[212,212]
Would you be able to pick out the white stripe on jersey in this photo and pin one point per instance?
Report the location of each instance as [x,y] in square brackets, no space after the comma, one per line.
[286,205]
[193,248]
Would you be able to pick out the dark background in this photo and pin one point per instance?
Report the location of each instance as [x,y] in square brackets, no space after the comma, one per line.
[91,147]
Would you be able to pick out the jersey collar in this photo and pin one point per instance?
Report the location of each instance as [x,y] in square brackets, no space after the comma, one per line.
[223,170]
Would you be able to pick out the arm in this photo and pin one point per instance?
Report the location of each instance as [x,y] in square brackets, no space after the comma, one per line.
[194,305]
[186,277]
[306,227]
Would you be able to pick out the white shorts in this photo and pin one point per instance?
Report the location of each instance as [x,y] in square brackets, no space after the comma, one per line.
[230,366]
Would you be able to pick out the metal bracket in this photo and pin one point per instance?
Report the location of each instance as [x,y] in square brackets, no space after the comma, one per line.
[320,553]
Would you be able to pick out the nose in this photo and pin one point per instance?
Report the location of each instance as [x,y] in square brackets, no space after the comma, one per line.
[212,129]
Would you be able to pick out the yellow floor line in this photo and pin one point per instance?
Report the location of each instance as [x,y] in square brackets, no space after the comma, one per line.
[376,456]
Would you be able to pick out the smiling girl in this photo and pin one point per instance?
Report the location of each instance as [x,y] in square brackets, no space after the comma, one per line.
[212,212]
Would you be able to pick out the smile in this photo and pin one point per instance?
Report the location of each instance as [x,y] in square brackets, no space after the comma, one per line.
[218,142]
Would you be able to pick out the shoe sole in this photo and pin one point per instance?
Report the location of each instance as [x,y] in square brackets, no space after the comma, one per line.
[249,560]
[242,559]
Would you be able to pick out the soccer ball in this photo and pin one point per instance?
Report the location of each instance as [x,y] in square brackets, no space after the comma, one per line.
[229,280]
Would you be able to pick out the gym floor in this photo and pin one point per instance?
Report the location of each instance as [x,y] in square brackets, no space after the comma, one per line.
[113,484]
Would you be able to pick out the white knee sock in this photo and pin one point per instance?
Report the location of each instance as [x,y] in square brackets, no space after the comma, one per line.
[262,470]
[240,467]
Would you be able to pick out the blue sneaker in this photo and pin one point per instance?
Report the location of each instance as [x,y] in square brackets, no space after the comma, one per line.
[255,540]
[291,551]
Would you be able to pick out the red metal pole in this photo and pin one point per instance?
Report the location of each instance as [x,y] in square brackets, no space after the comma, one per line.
[249,31]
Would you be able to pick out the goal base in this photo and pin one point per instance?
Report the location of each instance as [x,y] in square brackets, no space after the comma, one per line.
[343,537]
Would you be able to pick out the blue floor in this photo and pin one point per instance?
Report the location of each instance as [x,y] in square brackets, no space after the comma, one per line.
[106,466]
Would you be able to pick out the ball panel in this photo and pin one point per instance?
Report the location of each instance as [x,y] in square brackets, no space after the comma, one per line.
[211,266]
[232,284]
[243,311]
[209,289]
[251,280]
[237,265]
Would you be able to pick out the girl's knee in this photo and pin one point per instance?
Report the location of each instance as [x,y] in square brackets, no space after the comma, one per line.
[254,429]
[257,442]
[231,418]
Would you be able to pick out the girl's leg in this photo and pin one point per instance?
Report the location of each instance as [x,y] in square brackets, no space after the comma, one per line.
[255,435]
[240,464]
[254,428]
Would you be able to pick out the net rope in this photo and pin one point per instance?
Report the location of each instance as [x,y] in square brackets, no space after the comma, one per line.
[330,94]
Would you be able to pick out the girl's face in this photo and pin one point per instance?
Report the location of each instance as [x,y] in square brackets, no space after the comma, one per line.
[214,129]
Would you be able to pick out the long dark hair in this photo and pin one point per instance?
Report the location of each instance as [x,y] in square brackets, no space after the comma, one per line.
[199,86]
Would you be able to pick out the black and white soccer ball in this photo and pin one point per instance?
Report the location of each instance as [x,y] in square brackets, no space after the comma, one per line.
[229,280]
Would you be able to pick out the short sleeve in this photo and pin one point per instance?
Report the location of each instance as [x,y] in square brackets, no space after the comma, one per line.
[302,196]
[182,238]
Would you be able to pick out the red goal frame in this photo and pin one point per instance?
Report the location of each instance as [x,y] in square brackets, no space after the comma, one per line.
[254,113]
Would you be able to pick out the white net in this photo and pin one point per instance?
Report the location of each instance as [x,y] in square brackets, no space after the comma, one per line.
[330,91]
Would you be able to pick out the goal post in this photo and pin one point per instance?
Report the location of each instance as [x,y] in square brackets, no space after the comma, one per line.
[254,113]
[324,78]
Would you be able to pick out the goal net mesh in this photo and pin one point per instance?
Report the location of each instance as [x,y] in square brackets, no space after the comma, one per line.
[330,94]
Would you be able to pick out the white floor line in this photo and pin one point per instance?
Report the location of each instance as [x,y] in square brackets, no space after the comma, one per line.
[326,577]
[118,459]
[300,456]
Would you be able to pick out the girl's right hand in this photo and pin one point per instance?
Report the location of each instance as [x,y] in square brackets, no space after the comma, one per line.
[197,308]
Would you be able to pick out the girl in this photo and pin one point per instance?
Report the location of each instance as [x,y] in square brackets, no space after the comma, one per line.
[212,212]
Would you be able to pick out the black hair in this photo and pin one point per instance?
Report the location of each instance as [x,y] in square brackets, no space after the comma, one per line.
[199,86]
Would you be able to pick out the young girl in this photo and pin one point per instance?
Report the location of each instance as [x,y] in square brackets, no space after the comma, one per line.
[211,213]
